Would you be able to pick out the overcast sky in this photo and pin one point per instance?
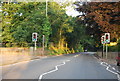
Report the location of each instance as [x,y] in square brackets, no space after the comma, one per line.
[70,11]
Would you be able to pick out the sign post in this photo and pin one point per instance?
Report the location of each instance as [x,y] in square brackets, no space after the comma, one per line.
[35,45]
[34,38]
[107,40]
[103,50]
[43,43]
[106,51]
[103,42]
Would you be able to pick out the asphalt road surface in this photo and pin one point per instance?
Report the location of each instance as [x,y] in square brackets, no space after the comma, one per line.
[73,66]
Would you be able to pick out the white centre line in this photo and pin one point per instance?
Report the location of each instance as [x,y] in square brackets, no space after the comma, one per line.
[56,68]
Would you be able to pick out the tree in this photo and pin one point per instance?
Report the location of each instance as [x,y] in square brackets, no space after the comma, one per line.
[59,29]
[24,19]
[59,24]
[102,16]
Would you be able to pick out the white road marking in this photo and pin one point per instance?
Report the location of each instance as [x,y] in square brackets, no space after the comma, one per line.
[21,62]
[91,52]
[76,55]
[113,73]
[113,68]
[67,60]
[26,61]
[118,71]
[56,68]
[104,64]
[97,59]
[107,68]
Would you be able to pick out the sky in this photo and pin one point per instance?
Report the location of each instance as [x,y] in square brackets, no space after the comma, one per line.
[70,11]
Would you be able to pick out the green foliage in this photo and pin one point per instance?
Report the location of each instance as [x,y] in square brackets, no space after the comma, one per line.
[21,20]
[24,19]
[115,48]
[79,48]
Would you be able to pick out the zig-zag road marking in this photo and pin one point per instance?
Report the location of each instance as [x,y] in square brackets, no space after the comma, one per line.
[56,69]
[107,68]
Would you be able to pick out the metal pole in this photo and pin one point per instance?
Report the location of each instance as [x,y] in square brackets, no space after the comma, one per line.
[46,7]
[8,1]
[35,45]
[106,51]
[43,42]
[103,51]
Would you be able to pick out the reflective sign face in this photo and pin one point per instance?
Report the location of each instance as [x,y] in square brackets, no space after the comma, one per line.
[103,39]
[34,36]
[107,37]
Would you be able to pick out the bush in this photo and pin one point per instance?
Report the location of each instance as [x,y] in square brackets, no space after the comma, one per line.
[113,48]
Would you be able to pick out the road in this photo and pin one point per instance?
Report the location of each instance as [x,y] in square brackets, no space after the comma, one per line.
[71,66]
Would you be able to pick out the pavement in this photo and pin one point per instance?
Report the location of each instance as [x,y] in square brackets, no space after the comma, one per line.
[71,66]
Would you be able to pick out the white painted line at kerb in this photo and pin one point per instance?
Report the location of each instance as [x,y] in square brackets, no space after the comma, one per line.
[21,62]
[56,69]
[76,55]
[107,68]
[113,68]
[104,64]
[97,59]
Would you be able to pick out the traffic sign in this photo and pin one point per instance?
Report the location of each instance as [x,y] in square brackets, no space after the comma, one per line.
[103,39]
[107,37]
[34,37]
